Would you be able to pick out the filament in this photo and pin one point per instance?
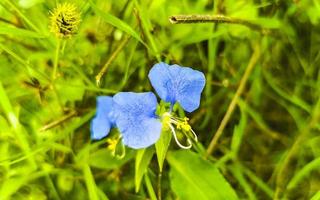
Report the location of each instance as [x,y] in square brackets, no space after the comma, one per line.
[176,139]
[181,124]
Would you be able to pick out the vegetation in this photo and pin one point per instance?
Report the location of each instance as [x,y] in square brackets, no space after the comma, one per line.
[258,123]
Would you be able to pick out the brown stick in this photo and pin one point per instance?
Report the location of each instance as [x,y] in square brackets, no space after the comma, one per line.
[111,59]
[232,106]
[186,19]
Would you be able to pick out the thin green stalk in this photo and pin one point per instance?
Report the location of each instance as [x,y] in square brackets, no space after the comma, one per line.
[159,185]
[150,189]
[56,60]
[90,183]
[63,46]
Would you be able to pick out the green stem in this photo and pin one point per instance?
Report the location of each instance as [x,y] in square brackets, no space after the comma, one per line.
[149,187]
[159,185]
[90,183]
[56,60]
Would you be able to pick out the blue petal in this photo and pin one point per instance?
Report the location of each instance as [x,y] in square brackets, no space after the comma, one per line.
[178,84]
[103,121]
[136,119]
[100,128]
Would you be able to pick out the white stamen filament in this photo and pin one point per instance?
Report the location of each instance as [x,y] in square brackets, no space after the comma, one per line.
[194,135]
[176,121]
[176,139]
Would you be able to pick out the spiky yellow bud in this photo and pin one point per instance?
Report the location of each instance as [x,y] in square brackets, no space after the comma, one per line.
[65,19]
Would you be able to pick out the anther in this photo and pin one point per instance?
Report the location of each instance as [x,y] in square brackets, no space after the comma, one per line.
[112,146]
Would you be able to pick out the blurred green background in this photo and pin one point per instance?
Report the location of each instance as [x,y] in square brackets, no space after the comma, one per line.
[264,82]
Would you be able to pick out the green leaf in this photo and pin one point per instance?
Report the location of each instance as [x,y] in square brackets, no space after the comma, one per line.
[143,159]
[162,146]
[13,31]
[192,177]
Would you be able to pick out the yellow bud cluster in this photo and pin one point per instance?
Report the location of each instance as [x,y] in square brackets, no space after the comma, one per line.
[65,19]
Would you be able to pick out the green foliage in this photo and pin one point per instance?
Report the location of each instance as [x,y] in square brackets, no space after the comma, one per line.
[269,147]
[162,147]
[143,159]
[191,178]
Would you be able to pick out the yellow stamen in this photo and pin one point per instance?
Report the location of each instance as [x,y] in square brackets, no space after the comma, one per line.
[112,144]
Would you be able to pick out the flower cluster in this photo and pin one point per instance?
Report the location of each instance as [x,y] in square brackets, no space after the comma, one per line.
[65,19]
[134,114]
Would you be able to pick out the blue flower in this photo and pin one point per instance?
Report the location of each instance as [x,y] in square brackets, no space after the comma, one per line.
[104,120]
[134,113]
[136,119]
[174,83]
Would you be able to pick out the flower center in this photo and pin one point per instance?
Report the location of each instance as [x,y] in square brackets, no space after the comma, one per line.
[181,124]
[113,145]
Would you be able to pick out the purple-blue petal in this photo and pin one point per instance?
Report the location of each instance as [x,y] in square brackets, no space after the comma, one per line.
[178,84]
[136,119]
[103,121]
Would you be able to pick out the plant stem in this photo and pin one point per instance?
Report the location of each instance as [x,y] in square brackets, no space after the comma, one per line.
[149,187]
[187,19]
[159,185]
[110,60]
[59,121]
[56,60]
[254,58]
